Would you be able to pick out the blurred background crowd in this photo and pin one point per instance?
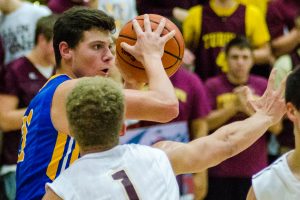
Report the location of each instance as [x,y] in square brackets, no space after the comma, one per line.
[229,43]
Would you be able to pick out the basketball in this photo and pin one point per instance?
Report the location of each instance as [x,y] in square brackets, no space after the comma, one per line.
[173,50]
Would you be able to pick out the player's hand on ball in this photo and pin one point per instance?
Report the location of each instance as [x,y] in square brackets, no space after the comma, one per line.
[149,43]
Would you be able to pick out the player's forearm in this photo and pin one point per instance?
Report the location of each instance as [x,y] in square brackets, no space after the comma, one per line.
[262,54]
[286,43]
[160,86]
[224,143]
[219,117]
[11,120]
[240,135]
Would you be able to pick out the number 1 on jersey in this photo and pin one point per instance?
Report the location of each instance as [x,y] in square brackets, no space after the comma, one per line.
[131,193]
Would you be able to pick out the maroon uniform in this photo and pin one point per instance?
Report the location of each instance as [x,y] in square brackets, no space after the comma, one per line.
[163,7]
[232,178]
[22,80]
[1,65]
[215,33]
[280,15]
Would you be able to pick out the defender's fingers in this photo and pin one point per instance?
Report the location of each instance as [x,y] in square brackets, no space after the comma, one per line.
[249,96]
[137,28]
[168,36]
[281,89]
[147,24]
[271,80]
[161,26]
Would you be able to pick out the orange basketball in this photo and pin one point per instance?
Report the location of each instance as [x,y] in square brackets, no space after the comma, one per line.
[173,51]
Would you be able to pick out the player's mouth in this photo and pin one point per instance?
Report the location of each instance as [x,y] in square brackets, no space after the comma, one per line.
[105,72]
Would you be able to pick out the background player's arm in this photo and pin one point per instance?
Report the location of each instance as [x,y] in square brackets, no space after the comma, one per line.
[228,140]
[262,54]
[286,43]
[10,115]
[251,194]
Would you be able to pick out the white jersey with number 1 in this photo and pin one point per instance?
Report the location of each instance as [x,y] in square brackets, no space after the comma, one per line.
[124,172]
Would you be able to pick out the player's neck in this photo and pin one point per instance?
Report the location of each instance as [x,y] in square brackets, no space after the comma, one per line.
[37,58]
[65,68]
[237,81]
[95,150]
[224,3]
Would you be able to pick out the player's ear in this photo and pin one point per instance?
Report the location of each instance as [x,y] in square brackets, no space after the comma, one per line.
[123,130]
[65,50]
[291,112]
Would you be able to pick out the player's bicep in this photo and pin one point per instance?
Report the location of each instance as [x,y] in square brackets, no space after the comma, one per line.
[58,107]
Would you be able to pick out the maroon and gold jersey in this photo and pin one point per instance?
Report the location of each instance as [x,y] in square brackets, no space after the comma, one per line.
[208,28]
[216,33]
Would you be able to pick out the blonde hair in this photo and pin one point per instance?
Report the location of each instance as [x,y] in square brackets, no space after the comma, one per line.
[95,110]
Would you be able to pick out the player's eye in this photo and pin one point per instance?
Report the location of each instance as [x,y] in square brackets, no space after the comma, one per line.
[97,46]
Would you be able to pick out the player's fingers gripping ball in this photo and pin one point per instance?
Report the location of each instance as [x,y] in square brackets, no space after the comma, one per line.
[173,50]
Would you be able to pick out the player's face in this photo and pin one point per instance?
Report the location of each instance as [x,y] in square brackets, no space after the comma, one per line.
[239,62]
[49,52]
[93,56]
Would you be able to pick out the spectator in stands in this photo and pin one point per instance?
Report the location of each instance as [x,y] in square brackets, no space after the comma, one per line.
[23,78]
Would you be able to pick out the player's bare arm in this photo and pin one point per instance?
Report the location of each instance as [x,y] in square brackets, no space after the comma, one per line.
[231,139]
[10,115]
[160,102]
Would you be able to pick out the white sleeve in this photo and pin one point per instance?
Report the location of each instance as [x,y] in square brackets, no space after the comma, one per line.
[62,187]
[264,184]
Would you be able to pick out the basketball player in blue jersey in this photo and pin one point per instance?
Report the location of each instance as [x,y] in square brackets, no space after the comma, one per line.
[107,170]
[83,47]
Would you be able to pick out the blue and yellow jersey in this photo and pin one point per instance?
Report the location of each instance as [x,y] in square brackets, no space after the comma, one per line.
[44,152]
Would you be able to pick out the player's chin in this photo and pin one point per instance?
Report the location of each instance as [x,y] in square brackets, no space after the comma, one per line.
[102,75]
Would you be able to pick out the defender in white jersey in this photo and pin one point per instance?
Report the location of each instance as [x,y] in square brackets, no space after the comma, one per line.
[281,180]
[106,170]
[125,172]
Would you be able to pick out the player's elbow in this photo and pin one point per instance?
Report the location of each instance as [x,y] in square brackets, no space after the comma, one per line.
[170,111]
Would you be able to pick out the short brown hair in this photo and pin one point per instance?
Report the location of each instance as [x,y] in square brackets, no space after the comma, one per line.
[95,110]
[74,22]
[45,26]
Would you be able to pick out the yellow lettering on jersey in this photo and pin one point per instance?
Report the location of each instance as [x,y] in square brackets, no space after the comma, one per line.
[226,99]
[181,95]
[217,39]
[24,130]
[57,155]
[75,153]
